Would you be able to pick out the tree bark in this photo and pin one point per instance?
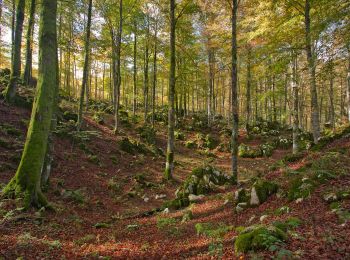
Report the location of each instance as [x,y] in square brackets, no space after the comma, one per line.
[234,87]
[249,78]
[154,72]
[135,71]
[27,76]
[118,73]
[169,168]
[26,182]
[86,66]
[10,91]
[315,121]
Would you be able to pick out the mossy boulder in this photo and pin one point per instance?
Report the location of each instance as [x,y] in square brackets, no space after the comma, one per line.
[261,191]
[258,237]
[201,181]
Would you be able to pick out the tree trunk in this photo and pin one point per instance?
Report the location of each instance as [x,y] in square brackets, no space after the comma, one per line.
[249,78]
[348,84]
[145,87]
[86,66]
[118,62]
[315,122]
[295,114]
[135,70]
[10,91]
[27,76]
[154,72]
[13,30]
[28,176]
[234,87]
[169,168]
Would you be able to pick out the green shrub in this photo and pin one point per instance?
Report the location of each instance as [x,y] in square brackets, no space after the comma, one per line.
[259,237]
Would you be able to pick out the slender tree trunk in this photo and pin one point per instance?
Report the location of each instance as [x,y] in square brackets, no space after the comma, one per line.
[135,71]
[348,84]
[10,91]
[234,87]
[146,82]
[118,73]
[331,98]
[249,78]
[154,72]
[315,122]
[27,180]
[169,168]
[295,115]
[27,76]
[86,66]
[13,29]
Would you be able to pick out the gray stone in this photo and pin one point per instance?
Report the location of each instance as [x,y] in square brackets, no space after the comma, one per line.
[254,199]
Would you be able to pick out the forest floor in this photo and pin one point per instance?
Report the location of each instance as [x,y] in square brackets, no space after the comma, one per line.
[99,203]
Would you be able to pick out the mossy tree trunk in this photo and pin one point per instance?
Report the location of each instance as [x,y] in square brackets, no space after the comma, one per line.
[26,182]
[27,75]
[169,168]
[86,66]
[10,91]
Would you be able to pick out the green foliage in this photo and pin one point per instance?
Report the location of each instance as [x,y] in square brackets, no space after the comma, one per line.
[212,230]
[179,135]
[93,159]
[259,237]
[290,158]
[102,225]
[10,130]
[190,144]
[98,117]
[90,238]
[148,134]
[75,195]
[4,143]
[168,225]
[246,151]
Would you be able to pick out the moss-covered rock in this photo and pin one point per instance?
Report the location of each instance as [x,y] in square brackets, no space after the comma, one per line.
[201,181]
[261,190]
[258,237]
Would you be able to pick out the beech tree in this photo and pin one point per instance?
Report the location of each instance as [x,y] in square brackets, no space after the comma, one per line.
[10,91]
[26,182]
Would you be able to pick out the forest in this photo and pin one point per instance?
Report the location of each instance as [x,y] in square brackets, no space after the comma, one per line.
[174,129]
